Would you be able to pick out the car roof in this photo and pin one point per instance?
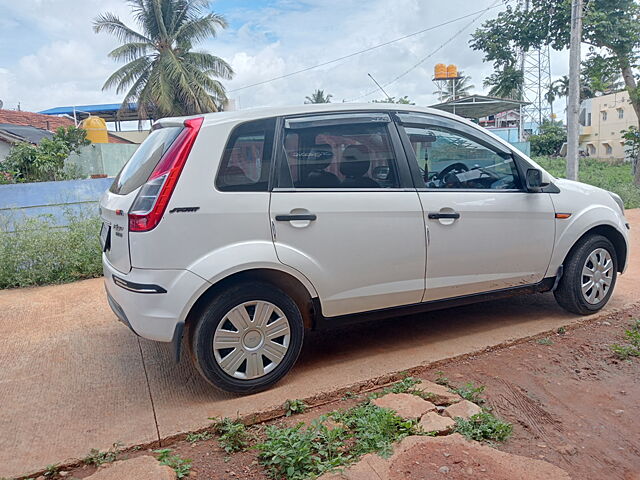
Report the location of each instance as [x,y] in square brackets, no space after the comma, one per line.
[257,113]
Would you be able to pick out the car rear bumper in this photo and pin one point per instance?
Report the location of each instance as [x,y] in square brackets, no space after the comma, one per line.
[152,303]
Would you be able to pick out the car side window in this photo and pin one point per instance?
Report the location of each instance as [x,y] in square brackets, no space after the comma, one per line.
[448,159]
[247,158]
[339,156]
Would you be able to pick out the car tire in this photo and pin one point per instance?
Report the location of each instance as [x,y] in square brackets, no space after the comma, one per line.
[233,343]
[593,259]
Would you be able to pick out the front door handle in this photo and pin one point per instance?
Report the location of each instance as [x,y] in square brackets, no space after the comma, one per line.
[290,218]
[438,215]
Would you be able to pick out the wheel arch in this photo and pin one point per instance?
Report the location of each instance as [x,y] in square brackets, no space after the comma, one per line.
[613,235]
[278,278]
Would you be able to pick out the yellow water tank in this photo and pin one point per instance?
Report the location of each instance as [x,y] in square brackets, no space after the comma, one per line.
[440,71]
[96,129]
[452,71]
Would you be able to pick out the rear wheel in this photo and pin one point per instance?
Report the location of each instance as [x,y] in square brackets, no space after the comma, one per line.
[590,273]
[248,338]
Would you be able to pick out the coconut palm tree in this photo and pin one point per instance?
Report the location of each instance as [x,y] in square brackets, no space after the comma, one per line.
[318,97]
[163,73]
[462,88]
[506,83]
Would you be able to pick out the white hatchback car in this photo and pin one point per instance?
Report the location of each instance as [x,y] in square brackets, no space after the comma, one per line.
[242,229]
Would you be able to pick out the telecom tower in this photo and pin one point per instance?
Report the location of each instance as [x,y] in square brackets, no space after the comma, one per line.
[536,72]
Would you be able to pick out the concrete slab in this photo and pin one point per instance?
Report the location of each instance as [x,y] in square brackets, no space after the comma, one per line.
[73,378]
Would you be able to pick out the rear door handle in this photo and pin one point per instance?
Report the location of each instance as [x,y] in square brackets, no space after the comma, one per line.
[290,218]
[438,215]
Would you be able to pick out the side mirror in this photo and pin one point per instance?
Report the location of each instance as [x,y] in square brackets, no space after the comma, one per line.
[534,180]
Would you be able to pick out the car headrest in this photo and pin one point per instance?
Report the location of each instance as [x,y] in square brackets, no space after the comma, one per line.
[318,157]
[355,161]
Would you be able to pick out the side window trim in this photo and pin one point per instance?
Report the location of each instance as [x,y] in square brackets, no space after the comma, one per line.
[405,181]
[471,133]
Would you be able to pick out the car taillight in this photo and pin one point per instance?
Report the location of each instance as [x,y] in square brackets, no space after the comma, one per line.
[153,197]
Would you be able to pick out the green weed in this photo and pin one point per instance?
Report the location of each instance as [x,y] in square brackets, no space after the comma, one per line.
[293,407]
[97,458]
[484,426]
[471,392]
[233,435]
[198,437]
[51,471]
[441,379]
[181,466]
[545,341]
[632,347]
[35,251]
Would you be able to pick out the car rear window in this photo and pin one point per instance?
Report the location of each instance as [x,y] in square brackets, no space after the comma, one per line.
[137,170]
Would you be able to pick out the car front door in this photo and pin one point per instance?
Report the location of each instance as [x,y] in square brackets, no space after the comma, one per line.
[485,232]
[344,211]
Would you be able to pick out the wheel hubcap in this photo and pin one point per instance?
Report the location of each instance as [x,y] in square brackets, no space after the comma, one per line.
[251,339]
[597,275]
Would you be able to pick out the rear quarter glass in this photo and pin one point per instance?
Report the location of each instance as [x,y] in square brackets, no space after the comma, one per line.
[137,170]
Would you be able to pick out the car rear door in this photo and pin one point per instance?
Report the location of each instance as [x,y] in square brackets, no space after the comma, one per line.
[485,232]
[344,211]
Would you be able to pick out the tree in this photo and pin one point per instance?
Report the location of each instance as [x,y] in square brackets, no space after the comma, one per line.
[549,139]
[163,74]
[43,162]
[402,100]
[506,83]
[318,97]
[462,88]
[610,27]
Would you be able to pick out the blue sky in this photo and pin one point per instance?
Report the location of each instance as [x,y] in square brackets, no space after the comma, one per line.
[49,55]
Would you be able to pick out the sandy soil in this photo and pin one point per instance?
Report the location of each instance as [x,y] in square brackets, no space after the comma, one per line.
[571,401]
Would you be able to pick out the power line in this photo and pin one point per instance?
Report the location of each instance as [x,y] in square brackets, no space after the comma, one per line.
[360,52]
[442,45]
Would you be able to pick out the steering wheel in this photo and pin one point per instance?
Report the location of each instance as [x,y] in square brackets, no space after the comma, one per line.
[457,167]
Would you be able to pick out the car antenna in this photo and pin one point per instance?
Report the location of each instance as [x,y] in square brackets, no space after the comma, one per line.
[379,86]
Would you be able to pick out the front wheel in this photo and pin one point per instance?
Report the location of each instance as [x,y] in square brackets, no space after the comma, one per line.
[590,273]
[248,338]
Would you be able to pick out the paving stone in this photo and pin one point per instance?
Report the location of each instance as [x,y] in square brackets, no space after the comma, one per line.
[423,457]
[438,394]
[144,467]
[463,409]
[432,422]
[405,405]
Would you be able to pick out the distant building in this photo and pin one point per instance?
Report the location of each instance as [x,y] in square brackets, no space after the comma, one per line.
[601,120]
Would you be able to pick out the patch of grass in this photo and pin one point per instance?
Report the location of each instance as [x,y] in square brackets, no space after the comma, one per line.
[562,330]
[469,391]
[233,435]
[374,429]
[51,471]
[300,452]
[484,426]
[403,386]
[36,251]
[97,457]
[614,176]
[349,395]
[441,379]
[632,347]
[545,341]
[181,466]
[293,407]
[198,437]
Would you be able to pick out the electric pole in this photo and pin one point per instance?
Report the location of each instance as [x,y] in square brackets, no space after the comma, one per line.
[573,104]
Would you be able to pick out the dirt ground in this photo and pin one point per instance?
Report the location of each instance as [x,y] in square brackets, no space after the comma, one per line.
[571,401]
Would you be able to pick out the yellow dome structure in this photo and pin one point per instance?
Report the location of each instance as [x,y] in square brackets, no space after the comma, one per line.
[440,71]
[96,129]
